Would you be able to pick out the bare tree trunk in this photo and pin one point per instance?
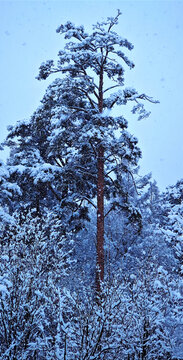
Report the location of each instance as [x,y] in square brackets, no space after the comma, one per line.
[100,221]
[100,201]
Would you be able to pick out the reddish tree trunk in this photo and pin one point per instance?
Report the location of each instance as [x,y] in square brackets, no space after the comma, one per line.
[100,221]
[100,201]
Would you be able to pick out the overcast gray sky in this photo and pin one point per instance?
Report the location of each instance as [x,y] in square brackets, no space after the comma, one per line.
[28,37]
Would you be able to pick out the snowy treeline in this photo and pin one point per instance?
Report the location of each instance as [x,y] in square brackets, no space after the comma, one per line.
[47,283]
[50,259]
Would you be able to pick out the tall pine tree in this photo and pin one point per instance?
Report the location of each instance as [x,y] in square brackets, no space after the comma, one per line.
[77,148]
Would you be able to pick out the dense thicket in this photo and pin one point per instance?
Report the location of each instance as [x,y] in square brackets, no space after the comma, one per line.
[61,160]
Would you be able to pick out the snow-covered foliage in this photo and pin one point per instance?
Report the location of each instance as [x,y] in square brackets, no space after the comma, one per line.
[9,192]
[35,259]
[57,148]
[49,308]
[172,225]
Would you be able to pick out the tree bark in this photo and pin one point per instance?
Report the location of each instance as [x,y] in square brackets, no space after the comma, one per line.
[100,221]
[100,202]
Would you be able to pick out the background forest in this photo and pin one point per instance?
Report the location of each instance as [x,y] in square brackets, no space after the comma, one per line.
[91,252]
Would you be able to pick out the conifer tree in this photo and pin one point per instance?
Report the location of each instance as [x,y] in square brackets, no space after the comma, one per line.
[78,148]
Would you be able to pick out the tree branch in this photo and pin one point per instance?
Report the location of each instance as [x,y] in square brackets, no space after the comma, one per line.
[114,102]
[89,201]
[60,165]
[92,102]
[93,148]
[114,21]
[94,92]
[108,212]
[85,171]
[54,192]
[111,87]
[110,171]
[148,98]
[133,181]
